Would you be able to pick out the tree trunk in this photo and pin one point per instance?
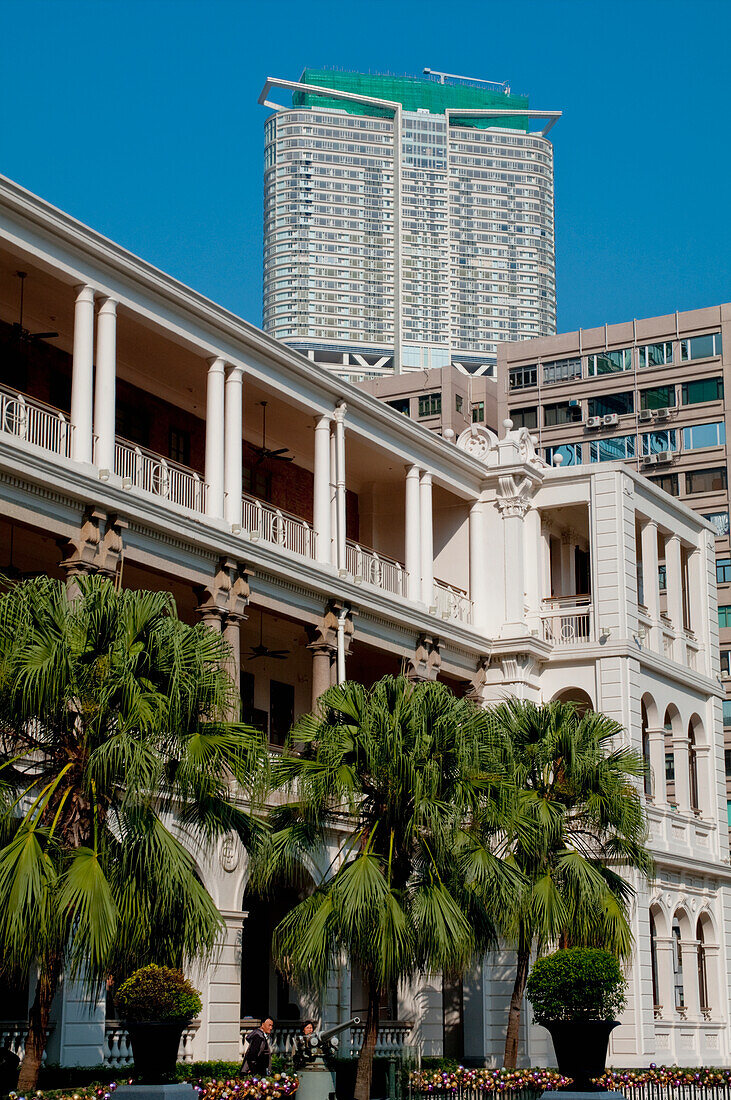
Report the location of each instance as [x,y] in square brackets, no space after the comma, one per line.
[38,1018]
[364,1074]
[512,1036]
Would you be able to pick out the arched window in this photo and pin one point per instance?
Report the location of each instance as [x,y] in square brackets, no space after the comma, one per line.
[702,969]
[693,770]
[678,966]
[646,754]
[653,958]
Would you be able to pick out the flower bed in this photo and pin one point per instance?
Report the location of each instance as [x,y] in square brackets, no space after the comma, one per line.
[276,1087]
[487,1080]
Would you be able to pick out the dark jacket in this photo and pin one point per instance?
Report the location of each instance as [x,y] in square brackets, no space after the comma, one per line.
[258,1056]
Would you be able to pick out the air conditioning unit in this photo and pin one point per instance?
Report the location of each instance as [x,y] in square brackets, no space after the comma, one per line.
[649,460]
[574,402]
[662,414]
[593,421]
[610,420]
[664,456]
[645,415]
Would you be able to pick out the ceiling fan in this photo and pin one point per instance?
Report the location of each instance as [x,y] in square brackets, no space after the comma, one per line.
[262,650]
[21,333]
[264,451]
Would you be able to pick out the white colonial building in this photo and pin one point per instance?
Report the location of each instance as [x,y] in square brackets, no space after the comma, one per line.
[149,435]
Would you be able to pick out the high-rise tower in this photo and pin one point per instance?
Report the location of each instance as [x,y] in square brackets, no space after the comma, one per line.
[408,222]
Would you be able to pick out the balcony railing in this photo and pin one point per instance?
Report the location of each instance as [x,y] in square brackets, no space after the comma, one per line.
[143,469]
[32,420]
[282,1039]
[392,1037]
[376,569]
[567,620]
[14,1036]
[263,521]
[452,603]
[118,1048]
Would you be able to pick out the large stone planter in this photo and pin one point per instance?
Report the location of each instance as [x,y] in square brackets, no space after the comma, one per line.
[155,1049]
[581,1050]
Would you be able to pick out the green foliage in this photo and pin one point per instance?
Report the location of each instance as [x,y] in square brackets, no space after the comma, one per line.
[157,993]
[113,722]
[577,983]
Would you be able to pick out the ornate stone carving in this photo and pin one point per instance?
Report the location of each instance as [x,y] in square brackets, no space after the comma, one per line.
[426,660]
[324,633]
[476,690]
[98,546]
[230,854]
[477,441]
[227,596]
[514,495]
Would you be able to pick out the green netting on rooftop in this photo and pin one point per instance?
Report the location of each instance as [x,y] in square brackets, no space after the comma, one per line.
[413,93]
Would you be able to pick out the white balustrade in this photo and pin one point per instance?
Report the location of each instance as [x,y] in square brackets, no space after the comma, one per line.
[263,521]
[452,603]
[282,1039]
[393,1039]
[14,1035]
[118,1048]
[567,621]
[26,418]
[376,569]
[143,469]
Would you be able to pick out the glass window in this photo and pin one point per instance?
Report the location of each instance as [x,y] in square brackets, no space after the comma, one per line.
[724,621]
[257,482]
[458,402]
[561,370]
[608,362]
[478,412]
[430,404]
[704,435]
[659,397]
[705,481]
[524,418]
[701,347]
[667,482]
[609,403]
[655,355]
[662,578]
[401,404]
[678,965]
[723,570]
[728,811]
[522,378]
[727,712]
[655,442]
[561,413]
[179,446]
[610,450]
[720,521]
[569,452]
[703,389]
[726,671]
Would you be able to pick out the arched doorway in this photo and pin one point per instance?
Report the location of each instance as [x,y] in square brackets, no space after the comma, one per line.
[575,695]
[264,992]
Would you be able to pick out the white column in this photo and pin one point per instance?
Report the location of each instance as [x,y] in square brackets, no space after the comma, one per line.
[233,441]
[533,547]
[656,745]
[545,561]
[82,378]
[568,568]
[478,565]
[681,752]
[427,539]
[412,552]
[340,483]
[333,499]
[215,429]
[105,384]
[674,575]
[651,582]
[321,491]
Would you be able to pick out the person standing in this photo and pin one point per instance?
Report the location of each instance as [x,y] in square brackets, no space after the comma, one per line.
[258,1056]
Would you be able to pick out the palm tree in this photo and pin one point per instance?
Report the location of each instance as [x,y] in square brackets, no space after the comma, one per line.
[579,822]
[115,762]
[399,774]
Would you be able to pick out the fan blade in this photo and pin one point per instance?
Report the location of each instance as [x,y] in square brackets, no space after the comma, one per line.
[278,654]
[284,458]
[278,451]
[42,335]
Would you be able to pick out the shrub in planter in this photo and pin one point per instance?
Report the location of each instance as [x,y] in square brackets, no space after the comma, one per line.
[576,994]
[156,1003]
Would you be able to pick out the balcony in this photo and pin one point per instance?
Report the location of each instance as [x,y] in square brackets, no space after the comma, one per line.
[37,423]
[568,621]
[260,520]
[376,569]
[452,602]
[143,469]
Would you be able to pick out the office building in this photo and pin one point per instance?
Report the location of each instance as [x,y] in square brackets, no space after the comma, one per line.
[408,222]
[444,399]
[134,445]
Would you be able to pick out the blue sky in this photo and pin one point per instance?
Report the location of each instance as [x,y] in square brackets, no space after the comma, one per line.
[140,117]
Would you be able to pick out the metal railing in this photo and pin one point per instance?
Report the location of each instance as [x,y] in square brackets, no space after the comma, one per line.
[567,620]
[376,569]
[118,1048]
[260,520]
[452,602]
[648,1090]
[32,420]
[143,469]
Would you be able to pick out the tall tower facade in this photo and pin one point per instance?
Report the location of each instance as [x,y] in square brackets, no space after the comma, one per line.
[408,222]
